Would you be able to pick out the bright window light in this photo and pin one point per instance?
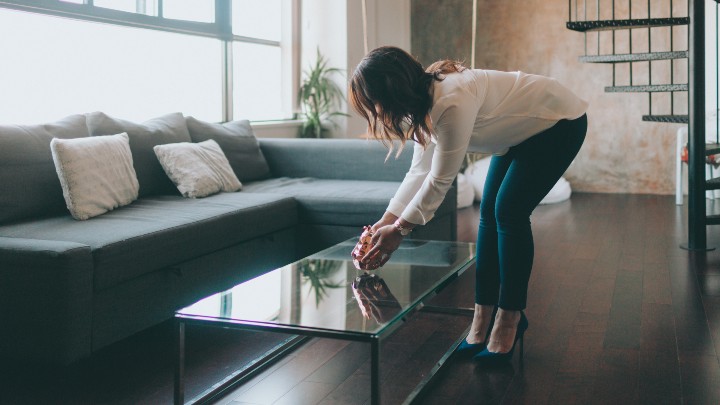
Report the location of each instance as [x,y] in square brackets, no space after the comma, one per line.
[123,5]
[257,79]
[257,18]
[62,66]
[190,10]
[259,299]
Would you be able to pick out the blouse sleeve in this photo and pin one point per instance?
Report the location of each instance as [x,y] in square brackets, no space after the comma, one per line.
[453,132]
[419,169]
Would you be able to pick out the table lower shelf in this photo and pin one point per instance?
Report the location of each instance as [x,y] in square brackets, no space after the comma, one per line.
[425,342]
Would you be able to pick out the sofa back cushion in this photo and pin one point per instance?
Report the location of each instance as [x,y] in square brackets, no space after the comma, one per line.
[341,159]
[238,142]
[30,185]
[169,128]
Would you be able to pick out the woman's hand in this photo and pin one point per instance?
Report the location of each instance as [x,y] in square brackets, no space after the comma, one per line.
[385,241]
[387,219]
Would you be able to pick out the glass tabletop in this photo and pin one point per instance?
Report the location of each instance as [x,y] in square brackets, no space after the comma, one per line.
[326,292]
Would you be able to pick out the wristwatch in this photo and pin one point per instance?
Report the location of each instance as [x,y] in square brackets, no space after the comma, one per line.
[403,230]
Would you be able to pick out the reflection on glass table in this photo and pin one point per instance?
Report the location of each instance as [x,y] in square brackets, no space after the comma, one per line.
[374,297]
[318,273]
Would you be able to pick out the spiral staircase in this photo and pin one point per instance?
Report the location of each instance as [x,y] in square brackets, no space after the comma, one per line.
[621,18]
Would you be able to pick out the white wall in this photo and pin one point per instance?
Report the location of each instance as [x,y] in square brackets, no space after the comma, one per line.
[336,27]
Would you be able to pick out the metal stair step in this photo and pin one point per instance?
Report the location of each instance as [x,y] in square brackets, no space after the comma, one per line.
[713,184]
[712,220]
[633,57]
[603,25]
[649,88]
[675,119]
[712,149]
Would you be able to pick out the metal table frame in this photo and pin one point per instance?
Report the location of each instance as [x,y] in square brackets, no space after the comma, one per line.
[302,334]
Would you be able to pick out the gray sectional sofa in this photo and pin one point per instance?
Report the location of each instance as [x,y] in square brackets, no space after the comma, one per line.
[69,288]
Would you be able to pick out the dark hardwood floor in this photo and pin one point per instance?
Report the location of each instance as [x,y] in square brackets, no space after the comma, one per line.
[619,314]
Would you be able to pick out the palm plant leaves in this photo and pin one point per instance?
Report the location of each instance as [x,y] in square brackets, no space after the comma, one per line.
[319,95]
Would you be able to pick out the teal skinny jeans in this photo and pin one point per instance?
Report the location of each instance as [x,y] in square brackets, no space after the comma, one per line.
[516,183]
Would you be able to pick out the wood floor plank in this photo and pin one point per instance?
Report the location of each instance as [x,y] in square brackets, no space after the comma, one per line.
[342,365]
[306,392]
[353,391]
[700,378]
[623,331]
[659,373]
[304,364]
[712,310]
[617,377]
[656,284]
[691,325]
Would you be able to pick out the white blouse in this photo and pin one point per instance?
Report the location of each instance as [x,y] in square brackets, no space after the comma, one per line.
[482,111]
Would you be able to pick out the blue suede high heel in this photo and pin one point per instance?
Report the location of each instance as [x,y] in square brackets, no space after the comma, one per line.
[487,356]
[466,349]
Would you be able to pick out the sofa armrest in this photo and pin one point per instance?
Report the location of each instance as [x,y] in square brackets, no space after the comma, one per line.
[349,159]
[45,300]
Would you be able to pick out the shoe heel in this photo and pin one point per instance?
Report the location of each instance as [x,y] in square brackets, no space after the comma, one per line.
[522,327]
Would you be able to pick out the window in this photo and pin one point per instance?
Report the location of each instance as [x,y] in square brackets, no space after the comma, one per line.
[130,73]
[129,6]
[190,10]
[140,59]
[257,19]
[258,77]
[257,85]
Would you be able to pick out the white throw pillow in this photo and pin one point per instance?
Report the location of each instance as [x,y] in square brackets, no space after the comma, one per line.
[197,169]
[477,173]
[465,193]
[96,173]
[561,191]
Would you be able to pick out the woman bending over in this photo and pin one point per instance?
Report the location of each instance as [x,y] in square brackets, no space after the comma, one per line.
[534,127]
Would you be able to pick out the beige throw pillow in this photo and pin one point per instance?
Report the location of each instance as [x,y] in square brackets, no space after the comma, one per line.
[197,169]
[96,173]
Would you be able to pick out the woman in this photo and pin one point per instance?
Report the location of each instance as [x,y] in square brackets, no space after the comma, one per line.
[532,125]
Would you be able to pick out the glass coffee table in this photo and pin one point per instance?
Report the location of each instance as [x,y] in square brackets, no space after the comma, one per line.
[323,295]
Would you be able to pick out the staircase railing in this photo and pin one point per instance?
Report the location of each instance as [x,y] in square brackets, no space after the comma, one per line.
[580,18]
[697,215]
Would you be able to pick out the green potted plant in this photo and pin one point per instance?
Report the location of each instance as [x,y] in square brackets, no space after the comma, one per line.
[320,97]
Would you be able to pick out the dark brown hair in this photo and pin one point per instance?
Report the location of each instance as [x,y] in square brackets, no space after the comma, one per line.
[394,81]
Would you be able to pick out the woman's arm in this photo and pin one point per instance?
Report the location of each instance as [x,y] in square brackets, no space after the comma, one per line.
[387,238]
[414,178]
[453,133]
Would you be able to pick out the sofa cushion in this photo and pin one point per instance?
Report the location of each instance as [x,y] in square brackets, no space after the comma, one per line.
[169,128]
[237,140]
[197,169]
[330,158]
[336,202]
[156,232]
[96,173]
[30,186]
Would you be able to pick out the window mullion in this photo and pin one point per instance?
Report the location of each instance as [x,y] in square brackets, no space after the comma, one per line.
[227,81]
[223,18]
